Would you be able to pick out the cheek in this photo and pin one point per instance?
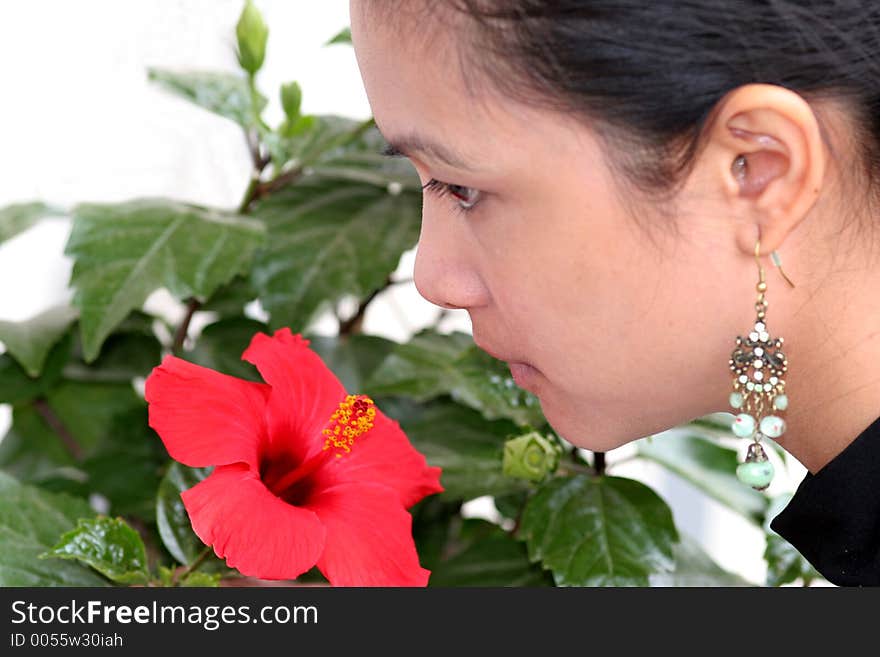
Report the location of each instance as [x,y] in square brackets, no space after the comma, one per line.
[630,339]
[576,284]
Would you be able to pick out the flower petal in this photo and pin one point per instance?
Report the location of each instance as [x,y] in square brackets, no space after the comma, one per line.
[369,537]
[304,391]
[258,533]
[204,417]
[383,455]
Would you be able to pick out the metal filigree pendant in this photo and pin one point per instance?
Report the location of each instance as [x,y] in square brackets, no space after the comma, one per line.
[758,397]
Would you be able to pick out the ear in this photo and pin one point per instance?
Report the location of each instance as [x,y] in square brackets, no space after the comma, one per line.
[777,133]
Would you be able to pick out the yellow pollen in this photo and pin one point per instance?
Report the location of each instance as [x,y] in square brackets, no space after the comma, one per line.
[353,418]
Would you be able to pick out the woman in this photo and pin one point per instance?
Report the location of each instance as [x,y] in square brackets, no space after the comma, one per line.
[606,183]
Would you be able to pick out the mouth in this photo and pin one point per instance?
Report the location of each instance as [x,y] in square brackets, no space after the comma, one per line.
[522,372]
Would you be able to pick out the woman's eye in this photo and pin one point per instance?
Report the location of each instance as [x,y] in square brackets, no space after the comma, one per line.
[465,197]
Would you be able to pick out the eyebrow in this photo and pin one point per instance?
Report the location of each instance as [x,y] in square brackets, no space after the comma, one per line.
[404,146]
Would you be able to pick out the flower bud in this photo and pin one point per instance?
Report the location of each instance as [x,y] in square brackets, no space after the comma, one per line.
[291,100]
[530,456]
[252,34]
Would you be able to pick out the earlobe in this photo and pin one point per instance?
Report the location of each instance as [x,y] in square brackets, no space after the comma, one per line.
[773,159]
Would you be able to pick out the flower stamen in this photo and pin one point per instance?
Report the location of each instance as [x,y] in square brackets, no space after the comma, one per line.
[354,417]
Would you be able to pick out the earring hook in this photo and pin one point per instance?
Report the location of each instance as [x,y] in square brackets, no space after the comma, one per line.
[774,256]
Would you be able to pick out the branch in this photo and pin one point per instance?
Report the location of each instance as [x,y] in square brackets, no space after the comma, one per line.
[192,306]
[253,143]
[58,427]
[279,181]
[443,314]
[599,463]
[353,323]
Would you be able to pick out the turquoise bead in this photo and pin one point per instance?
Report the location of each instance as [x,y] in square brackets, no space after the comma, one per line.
[757,474]
[773,426]
[736,399]
[743,425]
[780,402]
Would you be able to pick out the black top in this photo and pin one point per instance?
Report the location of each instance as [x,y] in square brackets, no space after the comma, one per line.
[834,517]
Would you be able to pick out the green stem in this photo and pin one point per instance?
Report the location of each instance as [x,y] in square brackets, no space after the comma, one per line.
[191,568]
[294,173]
[255,102]
[250,194]
[574,468]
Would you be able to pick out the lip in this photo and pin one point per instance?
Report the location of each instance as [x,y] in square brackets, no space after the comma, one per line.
[522,373]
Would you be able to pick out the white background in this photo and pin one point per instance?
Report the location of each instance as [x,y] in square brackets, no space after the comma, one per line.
[80,122]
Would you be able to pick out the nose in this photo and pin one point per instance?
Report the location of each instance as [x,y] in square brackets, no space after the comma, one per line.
[444,272]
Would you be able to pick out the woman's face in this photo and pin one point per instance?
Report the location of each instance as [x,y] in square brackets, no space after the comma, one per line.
[624,336]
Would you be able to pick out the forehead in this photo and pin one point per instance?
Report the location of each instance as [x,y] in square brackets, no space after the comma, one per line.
[413,72]
[414,68]
[411,65]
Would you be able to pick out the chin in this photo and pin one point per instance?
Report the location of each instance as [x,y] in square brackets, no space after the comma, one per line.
[586,432]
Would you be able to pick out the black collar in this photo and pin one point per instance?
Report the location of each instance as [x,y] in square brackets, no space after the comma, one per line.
[834,517]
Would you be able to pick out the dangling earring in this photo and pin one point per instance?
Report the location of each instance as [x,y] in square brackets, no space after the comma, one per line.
[758,365]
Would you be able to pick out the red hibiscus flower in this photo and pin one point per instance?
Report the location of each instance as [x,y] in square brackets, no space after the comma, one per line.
[304,474]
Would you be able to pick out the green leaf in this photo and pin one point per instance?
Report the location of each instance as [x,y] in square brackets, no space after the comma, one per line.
[466,446]
[252,33]
[126,466]
[287,132]
[343,36]
[18,217]
[34,454]
[203,580]
[334,146]
[109,546]
[117,454]
[30,522]
[352,358]
[361,158]
[16,387]
[230,299]
[510,505]
[784,563]
[29,341]
[174,525]
[221,93]
[494,558]
[328,239]
[708,466]
[718,424]
[599,531]
[693,567]
[132,350]
[436,521]
[125,251]
[434,364]
[221,344]
[90,410]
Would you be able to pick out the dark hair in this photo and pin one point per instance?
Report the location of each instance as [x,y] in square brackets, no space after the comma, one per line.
[646,74]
